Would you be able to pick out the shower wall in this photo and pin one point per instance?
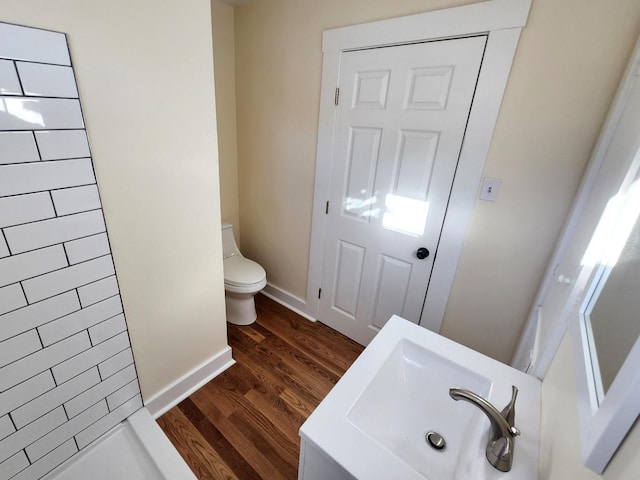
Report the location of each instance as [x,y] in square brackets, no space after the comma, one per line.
[66,367]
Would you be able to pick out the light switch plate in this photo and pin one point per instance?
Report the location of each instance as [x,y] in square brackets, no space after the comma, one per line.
[490,189]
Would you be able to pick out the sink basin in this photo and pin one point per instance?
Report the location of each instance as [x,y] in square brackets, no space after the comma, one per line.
[409,397]
[372,425]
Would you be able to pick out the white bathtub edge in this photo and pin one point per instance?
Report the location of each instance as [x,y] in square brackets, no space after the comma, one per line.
[159,448]
[166,399]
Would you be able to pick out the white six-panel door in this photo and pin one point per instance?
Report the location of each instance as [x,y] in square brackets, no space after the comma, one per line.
[400,124]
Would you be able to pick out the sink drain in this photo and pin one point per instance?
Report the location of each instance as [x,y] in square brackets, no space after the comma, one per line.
[435,441]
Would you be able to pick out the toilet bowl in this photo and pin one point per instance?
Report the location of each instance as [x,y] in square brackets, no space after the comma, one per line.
[243,278]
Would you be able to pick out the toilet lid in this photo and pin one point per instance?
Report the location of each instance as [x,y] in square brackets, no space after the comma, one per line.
[242,271]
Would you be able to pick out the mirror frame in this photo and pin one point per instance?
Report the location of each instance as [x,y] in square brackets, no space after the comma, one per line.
[603,426]
[604,423]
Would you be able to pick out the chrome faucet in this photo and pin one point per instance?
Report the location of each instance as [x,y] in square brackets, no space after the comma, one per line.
[503,432]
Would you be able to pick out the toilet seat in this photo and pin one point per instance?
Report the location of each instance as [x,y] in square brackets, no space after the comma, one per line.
[242,275]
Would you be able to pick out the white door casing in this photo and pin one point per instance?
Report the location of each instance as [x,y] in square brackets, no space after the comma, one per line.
[501,21]
[399,126]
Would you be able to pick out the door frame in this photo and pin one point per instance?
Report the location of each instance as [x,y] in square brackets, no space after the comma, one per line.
[502,22]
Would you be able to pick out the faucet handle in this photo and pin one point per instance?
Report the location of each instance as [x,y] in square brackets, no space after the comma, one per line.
[509,412]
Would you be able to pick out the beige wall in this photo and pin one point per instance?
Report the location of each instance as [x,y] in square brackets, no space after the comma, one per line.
[145,76]
[567,66]
[224,62]
[560,454]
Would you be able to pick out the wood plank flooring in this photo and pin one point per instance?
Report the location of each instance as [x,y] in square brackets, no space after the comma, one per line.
[244,423]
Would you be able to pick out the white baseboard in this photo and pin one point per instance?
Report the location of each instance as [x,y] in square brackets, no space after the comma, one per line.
[166,399]
[293,303]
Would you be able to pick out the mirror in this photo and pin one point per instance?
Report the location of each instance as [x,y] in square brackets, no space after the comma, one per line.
[612,313]
[604,304]
[607,325]
[606,319]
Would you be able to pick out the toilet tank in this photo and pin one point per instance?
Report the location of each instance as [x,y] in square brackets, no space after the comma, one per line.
[229,246]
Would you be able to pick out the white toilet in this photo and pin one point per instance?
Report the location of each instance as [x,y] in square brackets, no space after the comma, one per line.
[243,278]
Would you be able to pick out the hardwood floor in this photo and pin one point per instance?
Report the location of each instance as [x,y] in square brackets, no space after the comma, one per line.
[244,423]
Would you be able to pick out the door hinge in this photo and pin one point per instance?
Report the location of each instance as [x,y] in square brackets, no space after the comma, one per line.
[326,208]
[319,292]
[337,97]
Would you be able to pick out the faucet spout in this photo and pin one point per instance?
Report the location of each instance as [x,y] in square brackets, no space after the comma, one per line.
[503,432]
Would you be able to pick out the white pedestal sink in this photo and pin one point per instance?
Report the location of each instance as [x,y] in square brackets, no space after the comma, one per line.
[372,425]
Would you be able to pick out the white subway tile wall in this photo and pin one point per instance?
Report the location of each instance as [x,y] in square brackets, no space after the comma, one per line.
[65,279]
[41,113]
[76,199]
[43,80]
[107,329]
[19,346]
[25,391]
[59,144]
[78,321]
[43,176]
[87,248]
[11,298]
[6,427]
[32,236]
[113,365]
[25,208]
[4,248]
[88,435]
[98,291]
[14,465]
[9,78]
[66,368]
[18,147]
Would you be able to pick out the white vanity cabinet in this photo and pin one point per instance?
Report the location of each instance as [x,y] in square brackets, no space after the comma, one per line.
[316,465]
